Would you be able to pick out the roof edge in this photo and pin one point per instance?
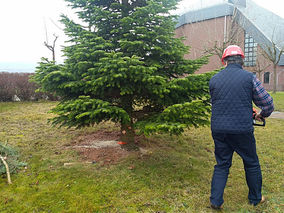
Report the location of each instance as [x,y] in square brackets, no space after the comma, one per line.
[263,40]
[216,11]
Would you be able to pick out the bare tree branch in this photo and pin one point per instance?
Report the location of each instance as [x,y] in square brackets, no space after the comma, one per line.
[52,47]
[7,169]
[230,38]
[259,68]
[274,58]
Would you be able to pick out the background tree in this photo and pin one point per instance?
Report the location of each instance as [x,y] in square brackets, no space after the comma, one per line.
[232,33]
[52,47]
[259,67]
[123,64]
[273,53]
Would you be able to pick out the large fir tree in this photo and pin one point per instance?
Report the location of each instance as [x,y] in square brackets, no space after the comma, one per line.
[124,64]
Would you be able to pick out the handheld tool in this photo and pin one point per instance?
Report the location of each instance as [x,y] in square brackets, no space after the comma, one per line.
[255,122]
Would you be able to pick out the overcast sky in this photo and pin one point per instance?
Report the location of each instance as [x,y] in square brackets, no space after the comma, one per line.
[23,24]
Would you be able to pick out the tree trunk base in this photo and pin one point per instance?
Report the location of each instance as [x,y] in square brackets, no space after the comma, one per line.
[127,137]
[130,147]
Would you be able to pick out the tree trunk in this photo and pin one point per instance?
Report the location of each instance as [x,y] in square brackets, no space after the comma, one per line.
[127,136]
[53,54]
[125,2]
[127,133]
[274,79]
[259,76]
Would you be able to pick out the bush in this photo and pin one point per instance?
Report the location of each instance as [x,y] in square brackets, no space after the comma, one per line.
[6,92]
[18,84]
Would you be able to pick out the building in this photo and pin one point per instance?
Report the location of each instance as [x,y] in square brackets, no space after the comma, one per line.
[256,30]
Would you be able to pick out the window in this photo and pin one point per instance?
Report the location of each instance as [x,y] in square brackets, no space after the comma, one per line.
[266,77]
[250,51]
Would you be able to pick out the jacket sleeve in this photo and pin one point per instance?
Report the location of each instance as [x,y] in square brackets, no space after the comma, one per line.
[262,99]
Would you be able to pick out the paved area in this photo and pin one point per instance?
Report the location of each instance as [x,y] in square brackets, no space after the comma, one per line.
[279,115]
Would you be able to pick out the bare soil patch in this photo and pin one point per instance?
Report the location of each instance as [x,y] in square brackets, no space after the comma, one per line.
[100,147]
[104,156]
[101,135]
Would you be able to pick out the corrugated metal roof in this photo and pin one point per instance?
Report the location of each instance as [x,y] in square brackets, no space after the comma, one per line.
[263,25]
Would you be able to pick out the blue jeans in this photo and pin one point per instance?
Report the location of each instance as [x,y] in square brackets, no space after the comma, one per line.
[225,146]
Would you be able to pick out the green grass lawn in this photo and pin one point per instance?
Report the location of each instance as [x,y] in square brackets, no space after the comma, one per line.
[278,99]
[174,176]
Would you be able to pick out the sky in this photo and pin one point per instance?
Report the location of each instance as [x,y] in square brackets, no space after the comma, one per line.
[26,24]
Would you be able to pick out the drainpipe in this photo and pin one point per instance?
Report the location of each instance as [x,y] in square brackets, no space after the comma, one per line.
[225,29]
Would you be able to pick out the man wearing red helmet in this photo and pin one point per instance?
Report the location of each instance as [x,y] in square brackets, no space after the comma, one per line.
[232,92]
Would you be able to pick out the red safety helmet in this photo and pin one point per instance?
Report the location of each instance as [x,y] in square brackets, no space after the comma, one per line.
[232,50]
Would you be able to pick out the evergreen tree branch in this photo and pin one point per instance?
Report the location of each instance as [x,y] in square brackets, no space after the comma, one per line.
[7,169]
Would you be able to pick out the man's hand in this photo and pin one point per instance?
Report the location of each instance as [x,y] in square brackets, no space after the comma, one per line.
[259,117]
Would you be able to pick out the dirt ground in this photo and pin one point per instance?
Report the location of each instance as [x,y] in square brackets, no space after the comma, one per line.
[100,147]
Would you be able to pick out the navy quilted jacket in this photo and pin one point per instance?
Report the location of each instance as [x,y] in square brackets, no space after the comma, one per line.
[231,93]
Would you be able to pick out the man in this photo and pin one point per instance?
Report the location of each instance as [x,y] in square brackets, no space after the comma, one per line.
[232,92]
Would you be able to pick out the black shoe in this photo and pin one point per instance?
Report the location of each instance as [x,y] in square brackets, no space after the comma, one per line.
[216,207]
[260,202]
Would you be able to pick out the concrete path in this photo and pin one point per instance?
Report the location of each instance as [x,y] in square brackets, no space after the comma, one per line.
[279,115]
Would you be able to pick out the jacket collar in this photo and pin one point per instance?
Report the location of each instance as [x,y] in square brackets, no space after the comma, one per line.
[230,66]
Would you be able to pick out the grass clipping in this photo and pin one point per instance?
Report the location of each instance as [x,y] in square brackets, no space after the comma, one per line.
[9,161]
